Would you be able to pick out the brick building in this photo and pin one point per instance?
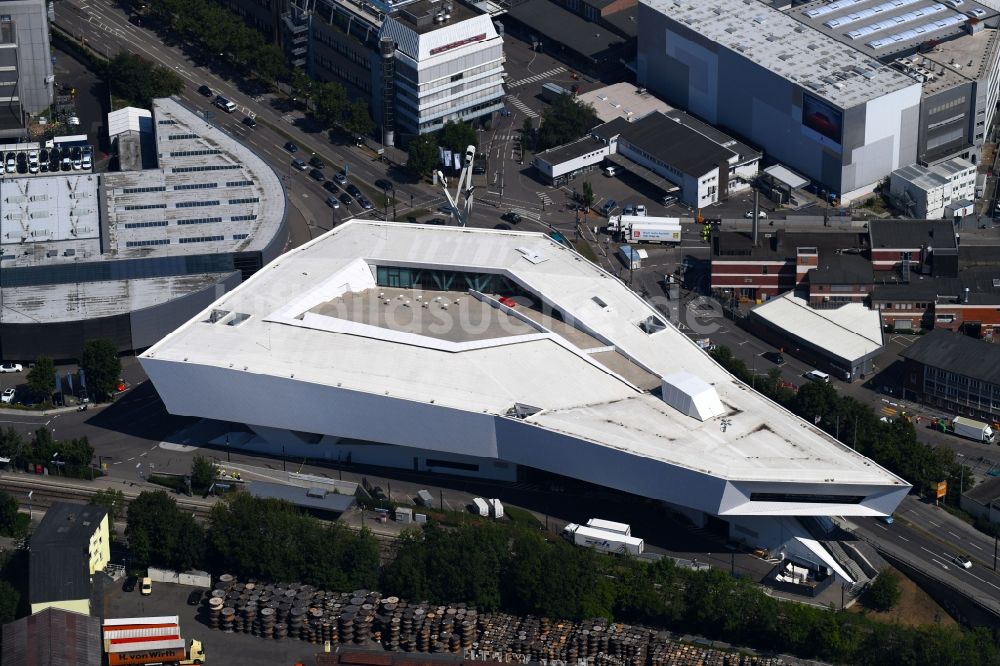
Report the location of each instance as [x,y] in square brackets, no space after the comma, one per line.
[954,372]
[779,262]
[929,247]
[840,278]
[969,304]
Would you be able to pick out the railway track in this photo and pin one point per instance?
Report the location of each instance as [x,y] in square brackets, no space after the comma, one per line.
[45,492]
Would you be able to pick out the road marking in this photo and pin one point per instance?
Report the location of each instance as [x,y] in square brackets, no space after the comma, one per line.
[902,537]
[934,524]
[928,550]
[884,527]
[536,77]
[975,546]
[954,535]
[521,106]
[937,561]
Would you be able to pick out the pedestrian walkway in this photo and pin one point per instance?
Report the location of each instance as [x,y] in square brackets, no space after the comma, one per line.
[545,198]
[536,77]
[521,106]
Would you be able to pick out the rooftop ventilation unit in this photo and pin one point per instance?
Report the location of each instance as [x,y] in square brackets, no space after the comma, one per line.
[691,395]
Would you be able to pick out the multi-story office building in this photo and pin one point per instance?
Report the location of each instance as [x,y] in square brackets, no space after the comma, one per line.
[843,92]
[945,190]
[26,78]
[420,63]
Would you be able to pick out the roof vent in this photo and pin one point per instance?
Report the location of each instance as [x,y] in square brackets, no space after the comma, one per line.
[522,411]
[317,493]
[691,395]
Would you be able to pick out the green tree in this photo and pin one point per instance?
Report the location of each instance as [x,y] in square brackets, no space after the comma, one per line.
[138,80]
[423,155]
[8,513]
[457,136]
[41,380]
[567,119]
[357,120]
[9,599]
[331,101]
[102,367]
[203,473]
[112,500]
[159,534]
[302,86]
[587,196]
[885,592]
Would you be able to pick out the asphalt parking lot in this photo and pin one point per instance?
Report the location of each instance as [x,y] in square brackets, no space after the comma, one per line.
[220,648]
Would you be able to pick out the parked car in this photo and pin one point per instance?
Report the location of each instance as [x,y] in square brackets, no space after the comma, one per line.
[147,586]
[129,584]
[761,215]
[365,202]
[775,357]
[225,104]
[250,122]
[11,367]
[340,177]
[628,210]
[299,164]
[317,161]
[195,597]
[291,147]
[640,210]
[317,175]
[511,216]
[353,190]
[86,163]
[332,202]
[330,186]
[384,184]
[608,206]
[8,396]
[346,199]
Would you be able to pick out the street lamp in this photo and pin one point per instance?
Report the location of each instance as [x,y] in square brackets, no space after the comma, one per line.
[55,461]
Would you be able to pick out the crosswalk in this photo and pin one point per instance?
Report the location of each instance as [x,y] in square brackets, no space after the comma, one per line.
[536,77]
[546,200]
[521,106]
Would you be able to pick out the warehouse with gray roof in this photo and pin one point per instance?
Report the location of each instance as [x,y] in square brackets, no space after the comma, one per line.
[130,255]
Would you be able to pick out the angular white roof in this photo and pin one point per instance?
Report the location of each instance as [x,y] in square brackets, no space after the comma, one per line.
[851,331]
[129,119]
[581,378]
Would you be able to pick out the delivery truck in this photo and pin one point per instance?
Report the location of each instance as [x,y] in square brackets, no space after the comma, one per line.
[644,229]
[602,540]
[977,430]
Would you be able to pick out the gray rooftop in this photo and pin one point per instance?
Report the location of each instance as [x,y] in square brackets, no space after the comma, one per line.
[840,268]
[911,234]
[677,145]
[317,499]
[744,152]
[781,245]
[830,69]
[59,562]
[561,25]
[957,353]
[985,492]
[569,151]
[52,637]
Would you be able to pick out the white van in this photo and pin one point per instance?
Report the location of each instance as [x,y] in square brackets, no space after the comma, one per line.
[610,171]
[817,376]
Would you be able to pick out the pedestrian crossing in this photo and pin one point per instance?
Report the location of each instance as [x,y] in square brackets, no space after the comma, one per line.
[521,106]
[546,200]
[536,77]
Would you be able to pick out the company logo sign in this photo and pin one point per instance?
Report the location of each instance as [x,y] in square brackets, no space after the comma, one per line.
[455,45]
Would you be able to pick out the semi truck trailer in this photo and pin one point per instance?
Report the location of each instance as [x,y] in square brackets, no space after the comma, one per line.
[644,229]
[603,541]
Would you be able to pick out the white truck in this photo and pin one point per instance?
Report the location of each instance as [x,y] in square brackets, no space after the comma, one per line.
[644,229]
[630,257]
[603,540]
[480,506]
[977,430]
[496,508]
[610,526]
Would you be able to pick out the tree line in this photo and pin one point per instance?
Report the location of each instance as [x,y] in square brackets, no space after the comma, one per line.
[894,445]
[66,457]
[101,367]
[495,566]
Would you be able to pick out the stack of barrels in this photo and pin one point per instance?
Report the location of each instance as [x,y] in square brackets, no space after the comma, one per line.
[365,619]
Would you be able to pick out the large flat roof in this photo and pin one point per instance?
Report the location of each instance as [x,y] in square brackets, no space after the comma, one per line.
[834,71]
[957,353]
[267,326]
[622,100]
[850,332]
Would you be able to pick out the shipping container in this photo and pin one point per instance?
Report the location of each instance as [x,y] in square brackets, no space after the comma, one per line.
[425,498]
[630,257]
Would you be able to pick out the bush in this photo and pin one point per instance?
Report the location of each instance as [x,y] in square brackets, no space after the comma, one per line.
[884,593]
